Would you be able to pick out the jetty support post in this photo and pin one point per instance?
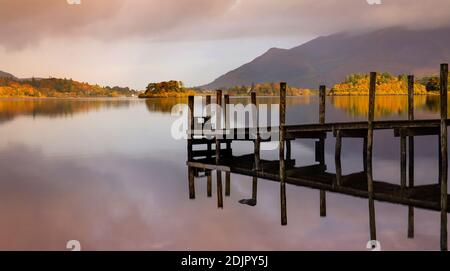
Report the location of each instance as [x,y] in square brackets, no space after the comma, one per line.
[218,138]
[322,98]
[209,148]
[190,147]
[337,157]
[370,189]
[282,170]
[443,152]
[257,145]
[228,144]
[411,154]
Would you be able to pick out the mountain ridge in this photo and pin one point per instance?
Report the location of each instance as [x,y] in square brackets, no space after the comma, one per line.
[329,59]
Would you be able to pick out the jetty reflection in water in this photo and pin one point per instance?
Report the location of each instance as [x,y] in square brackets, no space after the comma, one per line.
[107,173]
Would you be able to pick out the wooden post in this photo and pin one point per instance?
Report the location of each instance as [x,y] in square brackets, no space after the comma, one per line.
[255,190]
[365,154]
[208,115]
[257,145]
[228,143]
[190,156]
[403,162]
[337,157]
[209,183]
[257,150]
[322,95]
[443,151]
[218,137]
[411,153]
[288,150]
[370,191]
[282,162]
[209,148]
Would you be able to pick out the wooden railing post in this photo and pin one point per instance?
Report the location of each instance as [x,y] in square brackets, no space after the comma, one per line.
[443,152]
[190,156]
[411,153]
[257,145]
[209,148]
[218,138]
[322,104]
[282,172]
[370,190]
[228,144]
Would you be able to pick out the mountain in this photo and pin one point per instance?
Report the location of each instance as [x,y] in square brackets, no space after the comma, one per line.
[328,60]
[6,75]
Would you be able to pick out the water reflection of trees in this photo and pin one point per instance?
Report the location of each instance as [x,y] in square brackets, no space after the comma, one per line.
[385,105]
[165,104]
[11,108]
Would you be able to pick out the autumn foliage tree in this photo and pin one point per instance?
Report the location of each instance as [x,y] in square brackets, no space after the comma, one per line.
[387,84]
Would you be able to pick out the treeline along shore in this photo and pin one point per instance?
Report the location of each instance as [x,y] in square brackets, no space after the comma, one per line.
[353,85]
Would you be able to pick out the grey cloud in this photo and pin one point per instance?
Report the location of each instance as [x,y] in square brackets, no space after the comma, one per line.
[25,22]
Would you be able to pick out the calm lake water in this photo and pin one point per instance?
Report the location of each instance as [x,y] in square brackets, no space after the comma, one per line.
[108,173]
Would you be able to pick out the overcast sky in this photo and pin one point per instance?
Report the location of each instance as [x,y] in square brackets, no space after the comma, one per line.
[133,42]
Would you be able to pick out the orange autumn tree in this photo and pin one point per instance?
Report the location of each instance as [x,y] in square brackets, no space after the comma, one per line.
[58,88]
[387,84]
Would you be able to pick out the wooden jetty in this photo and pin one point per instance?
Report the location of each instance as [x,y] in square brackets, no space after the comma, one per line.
[284,170]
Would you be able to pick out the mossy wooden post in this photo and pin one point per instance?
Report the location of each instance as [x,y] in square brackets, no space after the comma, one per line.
[228,143]
[411,154]
[443,152]
[190,138]
[209,146]
[322,96]
[282,172]
[257,146]
[218,138]
[370,191]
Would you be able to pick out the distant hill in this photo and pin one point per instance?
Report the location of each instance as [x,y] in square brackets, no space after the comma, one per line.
[6,75]
[328,60]
[58,88]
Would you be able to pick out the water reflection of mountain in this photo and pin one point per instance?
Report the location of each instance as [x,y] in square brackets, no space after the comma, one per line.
[11,108]
[356,106]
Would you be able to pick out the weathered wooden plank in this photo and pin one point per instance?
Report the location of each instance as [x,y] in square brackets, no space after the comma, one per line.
[351,133]
[306,170]
[308,135]
[417,131]
[206,165]
[206,153]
